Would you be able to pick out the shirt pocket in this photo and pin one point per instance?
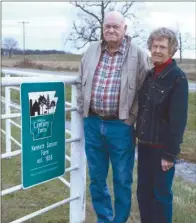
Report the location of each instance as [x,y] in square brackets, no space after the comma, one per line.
[115,72]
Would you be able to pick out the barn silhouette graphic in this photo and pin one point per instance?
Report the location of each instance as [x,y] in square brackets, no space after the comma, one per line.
[42,107]
[42,103]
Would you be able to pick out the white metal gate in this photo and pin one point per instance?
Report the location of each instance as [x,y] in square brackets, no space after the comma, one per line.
[77,200]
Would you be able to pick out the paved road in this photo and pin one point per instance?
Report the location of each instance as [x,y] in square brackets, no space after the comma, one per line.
[41,71]
[192,85]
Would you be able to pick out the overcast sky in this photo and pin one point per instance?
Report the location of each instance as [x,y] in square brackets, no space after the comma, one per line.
[49,23]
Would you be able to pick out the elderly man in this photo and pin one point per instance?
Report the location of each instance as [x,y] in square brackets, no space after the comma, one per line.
[112,71]
[162,117]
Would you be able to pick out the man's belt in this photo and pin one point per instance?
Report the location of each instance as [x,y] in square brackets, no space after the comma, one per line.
[108,117]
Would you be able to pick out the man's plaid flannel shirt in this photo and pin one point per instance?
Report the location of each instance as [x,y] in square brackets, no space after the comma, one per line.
[106,82]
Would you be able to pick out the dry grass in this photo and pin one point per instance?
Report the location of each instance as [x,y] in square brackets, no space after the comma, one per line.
[189,67]
[63,62]
[27,201]
[48,62]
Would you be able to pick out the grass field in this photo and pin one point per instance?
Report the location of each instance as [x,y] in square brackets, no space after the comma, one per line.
[20,203]
[25,202]
[54,62]
[188,147]
[63,62]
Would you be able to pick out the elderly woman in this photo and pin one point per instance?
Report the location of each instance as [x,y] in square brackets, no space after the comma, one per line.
[162,117]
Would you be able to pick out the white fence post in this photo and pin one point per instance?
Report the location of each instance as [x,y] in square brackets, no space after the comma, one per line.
[77,178]
[7,122]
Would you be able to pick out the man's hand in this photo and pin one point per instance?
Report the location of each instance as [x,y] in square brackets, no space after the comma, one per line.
[166,165]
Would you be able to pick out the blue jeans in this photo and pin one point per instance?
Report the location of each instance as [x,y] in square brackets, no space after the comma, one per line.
[106,141]
[154,189]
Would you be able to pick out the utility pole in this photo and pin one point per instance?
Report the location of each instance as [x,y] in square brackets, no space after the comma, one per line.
[23,27]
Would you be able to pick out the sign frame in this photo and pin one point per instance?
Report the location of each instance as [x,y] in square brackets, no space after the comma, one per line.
[38,135]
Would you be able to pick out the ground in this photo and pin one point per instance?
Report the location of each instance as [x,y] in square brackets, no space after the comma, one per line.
[23,202]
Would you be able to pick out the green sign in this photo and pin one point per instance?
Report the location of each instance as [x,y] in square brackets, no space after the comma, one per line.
[43,132]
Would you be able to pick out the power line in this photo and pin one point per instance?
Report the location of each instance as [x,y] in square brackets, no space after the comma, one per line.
[23,27]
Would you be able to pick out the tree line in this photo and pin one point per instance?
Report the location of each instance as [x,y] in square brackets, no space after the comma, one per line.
[9,51]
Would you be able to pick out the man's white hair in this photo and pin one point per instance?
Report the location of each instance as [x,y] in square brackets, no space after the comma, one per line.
[115,14]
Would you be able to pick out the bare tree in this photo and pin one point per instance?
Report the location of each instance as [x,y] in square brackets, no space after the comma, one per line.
[184,41]
[89,27]
[10,44]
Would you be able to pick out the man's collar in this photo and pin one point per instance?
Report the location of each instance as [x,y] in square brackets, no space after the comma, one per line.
[122,47]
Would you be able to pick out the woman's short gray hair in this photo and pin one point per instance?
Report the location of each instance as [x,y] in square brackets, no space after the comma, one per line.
[164,33]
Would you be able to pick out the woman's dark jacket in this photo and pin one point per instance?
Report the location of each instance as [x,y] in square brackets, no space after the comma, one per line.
[163,105]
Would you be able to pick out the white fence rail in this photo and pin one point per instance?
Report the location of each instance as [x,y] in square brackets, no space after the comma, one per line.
[77,169]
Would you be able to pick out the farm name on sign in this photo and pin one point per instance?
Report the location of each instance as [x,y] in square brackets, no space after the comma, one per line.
[41,126]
